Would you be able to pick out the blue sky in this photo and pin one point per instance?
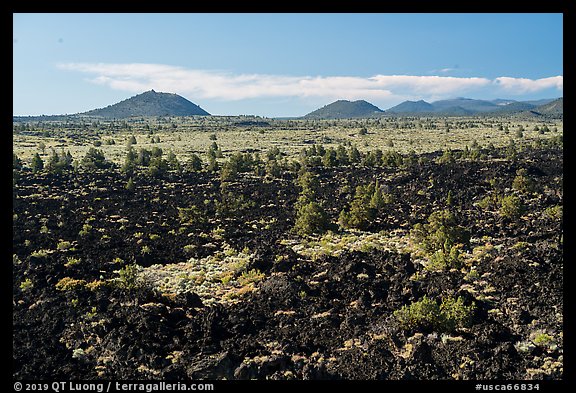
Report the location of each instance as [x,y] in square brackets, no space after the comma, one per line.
[281,64]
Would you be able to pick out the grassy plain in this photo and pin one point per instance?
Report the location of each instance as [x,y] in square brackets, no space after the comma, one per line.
[187,135]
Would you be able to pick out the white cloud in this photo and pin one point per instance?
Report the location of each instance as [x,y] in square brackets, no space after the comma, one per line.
[430,85]
[226,86]
[523,85]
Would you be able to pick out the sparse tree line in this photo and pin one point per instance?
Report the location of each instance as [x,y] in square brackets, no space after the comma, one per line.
[155,162]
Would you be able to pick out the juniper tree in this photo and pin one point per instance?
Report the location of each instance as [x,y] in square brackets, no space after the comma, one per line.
[273,169]
[212,164]
[158,167]
[52,165]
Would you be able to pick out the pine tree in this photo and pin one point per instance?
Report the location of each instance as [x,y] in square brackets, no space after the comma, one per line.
[355,155]
[310,218]
[129,162]
[310,215]
[342,155]
[16,162]
[37,163]
[130,186]
[173,162]
[195,163]
[53,161]
[367,203]
[329,158]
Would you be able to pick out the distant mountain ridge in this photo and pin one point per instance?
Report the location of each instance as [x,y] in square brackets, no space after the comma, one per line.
[152,103]
[468,106]
[343,109]
[412,107]
[149,103]
[555,107]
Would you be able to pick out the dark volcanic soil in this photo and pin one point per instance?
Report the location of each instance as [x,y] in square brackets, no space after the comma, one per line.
[324,317]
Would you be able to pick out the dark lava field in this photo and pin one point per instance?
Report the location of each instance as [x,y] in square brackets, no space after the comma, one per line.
[188,276]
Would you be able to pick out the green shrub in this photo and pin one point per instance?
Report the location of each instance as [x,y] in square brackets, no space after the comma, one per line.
[443,260]
[553,212]
[70,284]
[441,232]
[424,314]
[128,277]
[251,276]
[42,253]
[489,202]
[446,158]
[455,314]
[511,207]
[86,229]
[63,245]
[542,339]
[231,205]
[392,159]
[26,285]
[427,314]
[71,261]
[189,248]
[522,182]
